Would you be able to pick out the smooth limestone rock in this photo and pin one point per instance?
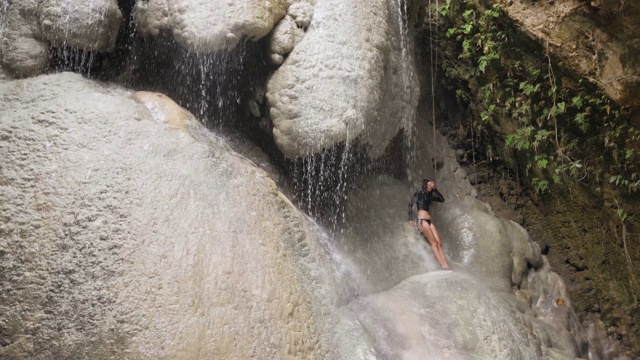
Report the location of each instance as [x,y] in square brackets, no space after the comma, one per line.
[165,110]
[129,231]
[29,28]
[447,315]
[351,77]
[207,26]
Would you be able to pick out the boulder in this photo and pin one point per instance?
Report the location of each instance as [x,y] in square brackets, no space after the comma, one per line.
[207,26]
[29,28]
[23,50]
[290,30]
[351,77]
[136,233]
[86,25]
[598,39]
[284,36]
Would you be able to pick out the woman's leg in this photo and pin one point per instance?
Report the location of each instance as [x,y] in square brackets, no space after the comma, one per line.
[440,250]
[433,241]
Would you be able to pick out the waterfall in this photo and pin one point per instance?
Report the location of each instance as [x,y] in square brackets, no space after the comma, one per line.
[219,225]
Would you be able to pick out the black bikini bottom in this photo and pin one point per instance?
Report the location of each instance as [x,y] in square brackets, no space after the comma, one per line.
[421,220]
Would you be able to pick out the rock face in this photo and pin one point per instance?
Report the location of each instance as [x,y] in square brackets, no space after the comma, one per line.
[290,30]
[124,237]
[206,26]
[23,50]
[29,27]
[350,77]
[599,39]
[87,25]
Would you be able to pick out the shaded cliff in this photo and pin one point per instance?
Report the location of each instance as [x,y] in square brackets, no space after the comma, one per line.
[550,139]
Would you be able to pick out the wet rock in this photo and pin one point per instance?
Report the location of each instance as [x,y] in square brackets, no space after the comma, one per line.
[130,231]
[87,25]
[206,26]
[352,76]
[419,319]
[30,27]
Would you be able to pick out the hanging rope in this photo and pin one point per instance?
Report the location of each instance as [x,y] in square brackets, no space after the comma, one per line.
[434,67]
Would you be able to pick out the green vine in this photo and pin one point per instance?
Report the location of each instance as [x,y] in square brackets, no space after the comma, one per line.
[568,129]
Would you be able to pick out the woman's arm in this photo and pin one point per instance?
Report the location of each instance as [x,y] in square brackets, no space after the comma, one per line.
[436,196]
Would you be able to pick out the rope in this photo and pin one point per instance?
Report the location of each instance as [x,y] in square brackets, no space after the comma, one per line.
[434,67]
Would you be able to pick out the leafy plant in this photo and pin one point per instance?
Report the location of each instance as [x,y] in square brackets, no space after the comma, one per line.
[573,130]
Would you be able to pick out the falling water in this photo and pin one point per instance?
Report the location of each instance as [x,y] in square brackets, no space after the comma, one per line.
[323,181]
[65,56]
[409,124]
[4,6]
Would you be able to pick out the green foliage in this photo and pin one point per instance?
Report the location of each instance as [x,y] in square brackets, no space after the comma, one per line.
[622,214]
[569,132]
[542,161]
[540,185]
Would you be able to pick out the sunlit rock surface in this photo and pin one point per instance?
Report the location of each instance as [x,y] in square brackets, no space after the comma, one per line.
[29,28]
[123,237]
[205,25]
[351,76]
[598,39]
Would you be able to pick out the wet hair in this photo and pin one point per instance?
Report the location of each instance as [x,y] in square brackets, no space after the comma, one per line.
[426,181]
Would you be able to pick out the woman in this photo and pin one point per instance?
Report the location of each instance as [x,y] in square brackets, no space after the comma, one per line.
[423,199]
